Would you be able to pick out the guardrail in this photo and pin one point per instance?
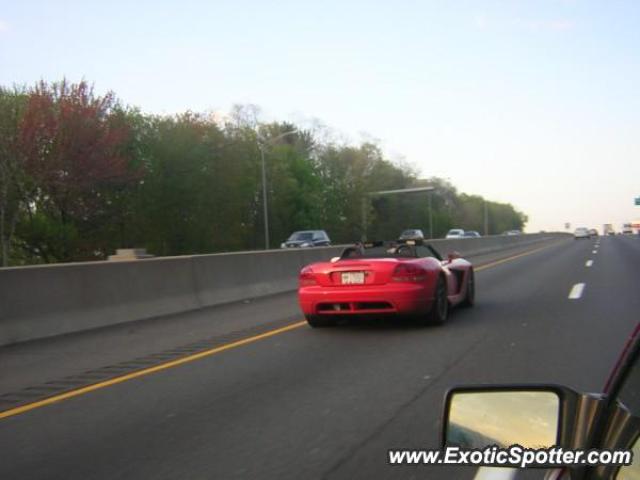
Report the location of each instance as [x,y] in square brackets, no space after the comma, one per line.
[43,301]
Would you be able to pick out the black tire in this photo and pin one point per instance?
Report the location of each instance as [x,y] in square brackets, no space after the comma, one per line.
[440,308]
[470,297]
[318,321]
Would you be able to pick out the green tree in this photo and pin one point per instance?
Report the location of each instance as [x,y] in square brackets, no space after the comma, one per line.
[12,173]
[81,175]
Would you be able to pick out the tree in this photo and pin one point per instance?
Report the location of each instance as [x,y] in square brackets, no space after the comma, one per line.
[12,174]
[81,175]
[73,147]
[293,186]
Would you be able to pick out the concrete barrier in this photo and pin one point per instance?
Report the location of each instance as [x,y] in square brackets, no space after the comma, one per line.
[229,277]
[42,301]
[495,243]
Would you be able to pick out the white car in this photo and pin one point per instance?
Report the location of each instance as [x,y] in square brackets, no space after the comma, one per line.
[455,233]
[581,232]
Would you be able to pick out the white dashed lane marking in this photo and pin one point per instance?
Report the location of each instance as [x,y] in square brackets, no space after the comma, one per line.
[576,291]
[589,263]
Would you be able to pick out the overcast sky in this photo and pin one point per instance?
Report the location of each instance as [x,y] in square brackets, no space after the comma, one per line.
[534,103]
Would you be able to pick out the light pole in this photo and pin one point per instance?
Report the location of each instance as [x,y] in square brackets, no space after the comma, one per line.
[486,218]
[430,217]
[265,207]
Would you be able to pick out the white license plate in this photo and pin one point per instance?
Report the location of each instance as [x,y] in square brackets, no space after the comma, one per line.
[352,278]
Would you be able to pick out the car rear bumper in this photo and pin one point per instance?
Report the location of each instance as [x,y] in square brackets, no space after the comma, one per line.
[399,299]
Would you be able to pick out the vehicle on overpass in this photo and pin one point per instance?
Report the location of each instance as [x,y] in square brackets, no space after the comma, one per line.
[471,234]
[407,278]
[478,417]
[411,234]
[307,238]
[581,232]
[455,233]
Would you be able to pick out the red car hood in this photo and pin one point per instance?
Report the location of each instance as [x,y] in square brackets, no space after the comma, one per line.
[633,338]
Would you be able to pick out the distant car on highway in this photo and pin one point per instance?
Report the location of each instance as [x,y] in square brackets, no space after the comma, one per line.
[386,278]
[513,232]
[307,238]
[455,233]
[471,234]
[593,232]
[607,229]
[412,234]
[581,232]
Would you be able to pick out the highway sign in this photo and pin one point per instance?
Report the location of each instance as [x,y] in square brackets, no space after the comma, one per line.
[637,200]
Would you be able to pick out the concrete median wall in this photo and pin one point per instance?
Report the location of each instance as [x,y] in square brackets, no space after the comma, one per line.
[229,277]
[478,246]
[42,301]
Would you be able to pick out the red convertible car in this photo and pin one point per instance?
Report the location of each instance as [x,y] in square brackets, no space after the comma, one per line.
[407,278]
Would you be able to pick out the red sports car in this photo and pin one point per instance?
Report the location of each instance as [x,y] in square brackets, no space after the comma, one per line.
[403,278]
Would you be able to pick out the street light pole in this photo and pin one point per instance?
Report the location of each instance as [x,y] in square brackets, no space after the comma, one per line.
[430,216]
[486,219]
[265,208]
[265,204]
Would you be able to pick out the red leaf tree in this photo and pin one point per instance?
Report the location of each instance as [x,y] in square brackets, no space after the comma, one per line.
[74,146]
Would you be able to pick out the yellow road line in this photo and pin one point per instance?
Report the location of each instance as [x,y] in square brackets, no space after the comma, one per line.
[196,356]
[146,371]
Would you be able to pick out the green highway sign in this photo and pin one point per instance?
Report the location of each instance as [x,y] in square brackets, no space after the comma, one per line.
[637,200]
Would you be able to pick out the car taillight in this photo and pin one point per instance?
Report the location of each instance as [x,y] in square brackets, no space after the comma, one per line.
[409,274]
[307,277]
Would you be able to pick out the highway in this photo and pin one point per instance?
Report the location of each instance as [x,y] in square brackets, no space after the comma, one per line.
[272,398]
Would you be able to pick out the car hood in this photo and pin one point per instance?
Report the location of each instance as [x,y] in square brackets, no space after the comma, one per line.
[296,243]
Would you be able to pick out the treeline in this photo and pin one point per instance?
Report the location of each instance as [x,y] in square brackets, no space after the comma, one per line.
[81,175]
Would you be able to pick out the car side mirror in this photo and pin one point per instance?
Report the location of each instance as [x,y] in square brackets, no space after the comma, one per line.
[532,416]
[451,256]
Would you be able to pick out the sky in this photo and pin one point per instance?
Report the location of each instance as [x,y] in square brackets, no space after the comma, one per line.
[534,103]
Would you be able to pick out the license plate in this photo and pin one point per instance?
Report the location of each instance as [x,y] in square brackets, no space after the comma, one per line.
[352,278]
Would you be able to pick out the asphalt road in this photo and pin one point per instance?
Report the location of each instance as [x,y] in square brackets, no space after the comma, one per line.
[329,403]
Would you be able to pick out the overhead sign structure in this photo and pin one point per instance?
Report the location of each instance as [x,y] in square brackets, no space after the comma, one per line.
[394,192]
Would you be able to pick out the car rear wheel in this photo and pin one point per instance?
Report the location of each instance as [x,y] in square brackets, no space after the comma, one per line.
[318,321]
[440,308]
[470,297]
